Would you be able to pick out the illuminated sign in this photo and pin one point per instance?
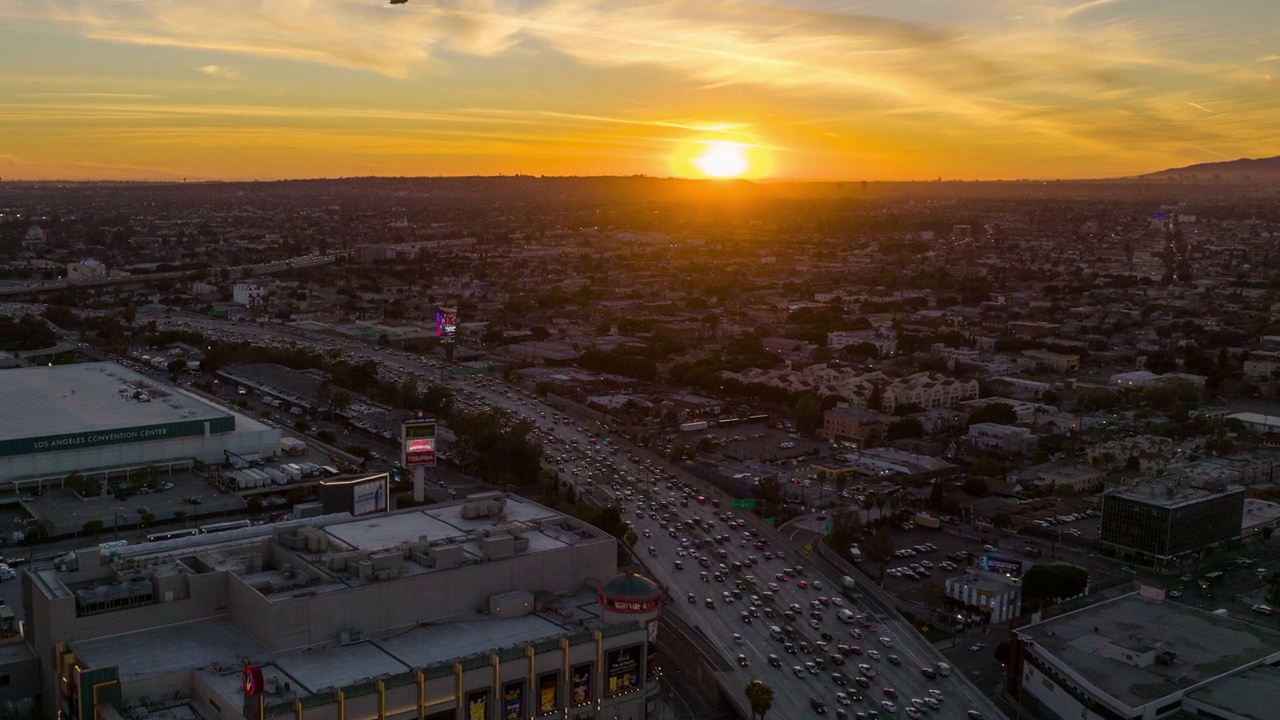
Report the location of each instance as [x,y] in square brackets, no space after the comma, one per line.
[513,700]
[478,704]
[630,606]
[251,680]
[548,693]
[419,444]
[446,322]
[622,670]
[580,685]
[997,564]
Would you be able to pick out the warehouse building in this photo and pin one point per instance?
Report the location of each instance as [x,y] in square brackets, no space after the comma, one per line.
[490,607]
[102,418]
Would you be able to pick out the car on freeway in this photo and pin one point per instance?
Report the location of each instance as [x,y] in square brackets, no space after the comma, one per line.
[818,706]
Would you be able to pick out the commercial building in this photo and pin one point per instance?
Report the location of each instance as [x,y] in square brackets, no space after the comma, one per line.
[1137,657]
[485,608]
[104,418]
[993,597]
[1162,521]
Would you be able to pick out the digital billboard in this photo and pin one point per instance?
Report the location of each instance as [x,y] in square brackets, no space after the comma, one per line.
[580,685]
[513,700]
[548,693]
[419,441]
[446,323]
[478,704]
[997,564]
[622,670]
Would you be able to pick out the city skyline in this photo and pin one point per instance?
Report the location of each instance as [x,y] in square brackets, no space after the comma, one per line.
[776,90]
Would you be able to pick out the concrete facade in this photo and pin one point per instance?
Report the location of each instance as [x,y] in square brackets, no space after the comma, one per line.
[396,609]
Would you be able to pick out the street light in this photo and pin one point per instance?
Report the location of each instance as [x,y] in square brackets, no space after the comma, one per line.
[115,524]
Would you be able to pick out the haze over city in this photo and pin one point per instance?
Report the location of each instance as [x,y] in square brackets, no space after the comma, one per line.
[766,90]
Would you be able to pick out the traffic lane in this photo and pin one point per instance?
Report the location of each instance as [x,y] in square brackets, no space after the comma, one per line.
[720,624]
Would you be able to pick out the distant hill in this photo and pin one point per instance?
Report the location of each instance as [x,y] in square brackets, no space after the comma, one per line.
[1234,170]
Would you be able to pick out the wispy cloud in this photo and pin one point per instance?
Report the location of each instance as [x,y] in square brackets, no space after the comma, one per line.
[1093,74]
[221,72]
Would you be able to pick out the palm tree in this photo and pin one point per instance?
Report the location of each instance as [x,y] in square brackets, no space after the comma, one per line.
[760,696]
[842,480]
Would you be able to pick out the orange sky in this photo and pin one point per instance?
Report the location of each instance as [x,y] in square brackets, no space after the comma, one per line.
[809,89]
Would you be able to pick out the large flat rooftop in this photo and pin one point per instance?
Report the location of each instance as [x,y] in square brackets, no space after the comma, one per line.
[1250,694]
[101,397]
[1171,492]
[215,647]
[1195,646]
[453,533]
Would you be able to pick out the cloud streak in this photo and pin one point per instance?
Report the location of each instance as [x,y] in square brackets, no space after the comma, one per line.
[1088,73]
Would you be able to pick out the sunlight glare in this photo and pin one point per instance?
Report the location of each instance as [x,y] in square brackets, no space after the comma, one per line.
[722,159]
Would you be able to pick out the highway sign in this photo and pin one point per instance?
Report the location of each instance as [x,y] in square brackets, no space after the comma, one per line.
[744,504]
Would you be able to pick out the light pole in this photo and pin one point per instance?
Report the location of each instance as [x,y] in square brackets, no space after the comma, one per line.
[115,523]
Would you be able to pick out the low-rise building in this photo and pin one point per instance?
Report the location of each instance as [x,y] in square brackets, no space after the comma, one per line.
[992,596]
[1138,658]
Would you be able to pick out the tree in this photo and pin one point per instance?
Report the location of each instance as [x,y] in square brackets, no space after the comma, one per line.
[340,400]
[180,517]
[975,487]
[996,412]
[39,529]
[1054,582]
[907,427]
[93,527]
[878,548]
[808,413]
[823,478]
[1003,652]
[760,696]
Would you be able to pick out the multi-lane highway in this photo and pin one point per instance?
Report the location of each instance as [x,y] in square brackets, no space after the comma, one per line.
[753,594]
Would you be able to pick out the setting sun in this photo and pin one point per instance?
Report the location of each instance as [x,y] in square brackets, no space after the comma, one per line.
[723,159]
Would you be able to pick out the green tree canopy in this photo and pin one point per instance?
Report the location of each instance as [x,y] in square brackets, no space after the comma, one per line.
[760,696]
[997,412]
[1054,582]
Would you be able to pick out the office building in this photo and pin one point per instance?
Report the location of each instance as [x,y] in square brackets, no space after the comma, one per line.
[1159,522]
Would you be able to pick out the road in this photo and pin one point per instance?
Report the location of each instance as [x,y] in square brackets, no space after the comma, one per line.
[662,504]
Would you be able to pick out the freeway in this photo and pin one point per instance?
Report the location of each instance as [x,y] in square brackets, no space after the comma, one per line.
[677,522]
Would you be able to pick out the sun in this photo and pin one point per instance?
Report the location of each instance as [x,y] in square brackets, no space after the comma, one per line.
[723,159]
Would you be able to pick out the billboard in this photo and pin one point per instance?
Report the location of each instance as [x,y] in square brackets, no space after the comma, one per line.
[622,670]
[478,704]
[548,693]
[997,564]
[580,685]
[358,496]
[370,497]
[418,441]
[513,700]
[446,322]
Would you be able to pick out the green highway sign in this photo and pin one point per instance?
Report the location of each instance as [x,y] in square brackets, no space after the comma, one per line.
[466,370]
[831,527]
[744,504]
